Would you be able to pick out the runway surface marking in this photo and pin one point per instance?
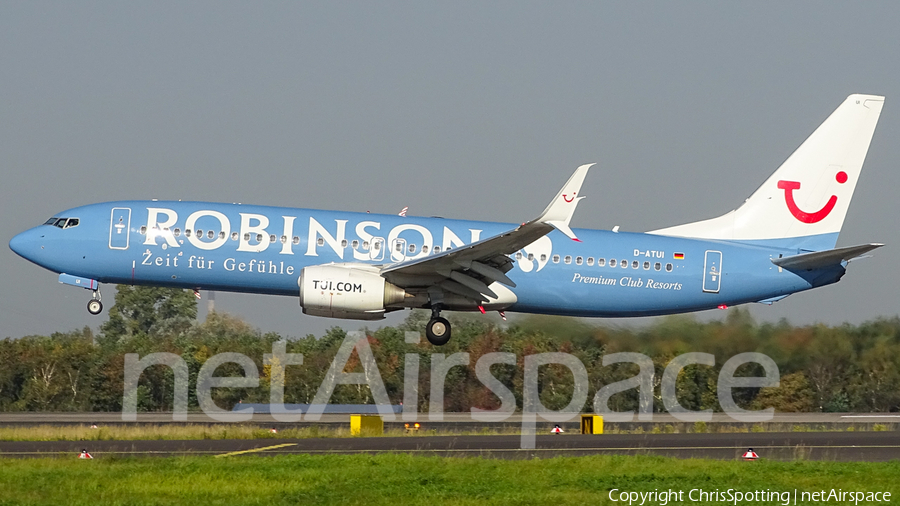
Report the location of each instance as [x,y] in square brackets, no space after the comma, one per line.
[254,450]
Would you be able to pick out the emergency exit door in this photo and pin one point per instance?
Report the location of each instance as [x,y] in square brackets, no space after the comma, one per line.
[712,271]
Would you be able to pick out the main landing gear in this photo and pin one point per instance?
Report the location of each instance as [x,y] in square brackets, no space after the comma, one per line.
[438,329]
[94,306]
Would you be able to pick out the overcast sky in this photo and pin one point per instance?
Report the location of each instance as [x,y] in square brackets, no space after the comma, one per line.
[471,110]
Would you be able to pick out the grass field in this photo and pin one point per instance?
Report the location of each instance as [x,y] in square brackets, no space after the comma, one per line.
[393,479]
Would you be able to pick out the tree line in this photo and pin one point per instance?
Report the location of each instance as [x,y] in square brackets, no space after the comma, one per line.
[823,368]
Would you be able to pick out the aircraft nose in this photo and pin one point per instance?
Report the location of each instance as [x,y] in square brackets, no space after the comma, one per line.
[23,244]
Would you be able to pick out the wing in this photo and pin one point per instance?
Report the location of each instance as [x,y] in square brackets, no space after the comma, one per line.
[469,270]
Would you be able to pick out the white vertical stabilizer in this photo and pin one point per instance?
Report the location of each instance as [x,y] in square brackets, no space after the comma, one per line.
[810,193]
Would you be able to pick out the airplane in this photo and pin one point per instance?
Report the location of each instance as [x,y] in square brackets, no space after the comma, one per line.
[781,240]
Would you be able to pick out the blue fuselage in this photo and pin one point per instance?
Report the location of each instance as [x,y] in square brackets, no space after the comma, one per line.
[256,249]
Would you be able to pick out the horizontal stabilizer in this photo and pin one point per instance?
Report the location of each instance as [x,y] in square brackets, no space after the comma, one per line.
[820,259]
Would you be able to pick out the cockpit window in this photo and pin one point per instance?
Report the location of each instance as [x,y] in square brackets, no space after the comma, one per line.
[62,222]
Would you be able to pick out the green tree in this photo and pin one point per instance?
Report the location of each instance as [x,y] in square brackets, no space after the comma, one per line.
[794,394]
[148,310]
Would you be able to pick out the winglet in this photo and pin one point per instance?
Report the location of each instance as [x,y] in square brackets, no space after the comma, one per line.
[560,210]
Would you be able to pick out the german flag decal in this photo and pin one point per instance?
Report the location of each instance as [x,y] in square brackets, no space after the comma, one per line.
[679,256]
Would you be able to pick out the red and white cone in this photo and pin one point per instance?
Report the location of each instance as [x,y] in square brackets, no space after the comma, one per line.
[85,455]
[557,430]
[750,455]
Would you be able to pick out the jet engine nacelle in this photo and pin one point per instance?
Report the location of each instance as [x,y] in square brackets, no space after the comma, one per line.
[352,291]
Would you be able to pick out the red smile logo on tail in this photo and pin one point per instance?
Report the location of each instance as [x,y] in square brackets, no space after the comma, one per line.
[790,186]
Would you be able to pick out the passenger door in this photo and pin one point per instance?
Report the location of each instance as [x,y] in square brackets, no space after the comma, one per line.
[119,227]
[712,271]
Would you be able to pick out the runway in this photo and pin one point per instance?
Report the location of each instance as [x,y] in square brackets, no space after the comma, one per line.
[832,446]
[464,422]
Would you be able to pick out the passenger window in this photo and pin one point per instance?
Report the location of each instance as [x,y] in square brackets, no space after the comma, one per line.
[284,239]
[556,259]
[272,238]
[590,261]
[198,233]
[646,266]
[578,260]
[668,267]
[568,259]
[543,257]
[634,264]
[296,240]
[187,232]
[657,266]
[234,236]
[518,255]
[412,248]
[437,249]
[210,234]
[623,264]
[601,262]
[377,246]
[143,230]
[343,243]
[398,247]
[612,262]
[355,244]
[259,238]
[320,241]
[531,256]
[365,245]
[176,232]
[246,235]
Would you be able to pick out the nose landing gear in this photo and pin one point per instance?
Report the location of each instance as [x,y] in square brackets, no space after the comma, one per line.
[94,306]
[437,330]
